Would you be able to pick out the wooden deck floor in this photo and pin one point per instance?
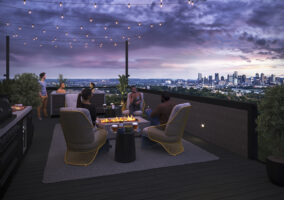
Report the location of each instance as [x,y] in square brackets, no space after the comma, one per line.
[231,177]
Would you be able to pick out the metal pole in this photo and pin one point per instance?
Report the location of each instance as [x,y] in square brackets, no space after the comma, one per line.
[7,57]
[126,60]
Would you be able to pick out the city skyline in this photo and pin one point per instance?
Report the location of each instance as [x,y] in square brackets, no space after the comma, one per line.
[211,36]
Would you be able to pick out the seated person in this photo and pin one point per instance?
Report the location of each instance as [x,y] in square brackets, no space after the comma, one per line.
[92,87]
[162,111]
[134,101]
[61,88]
[83,101]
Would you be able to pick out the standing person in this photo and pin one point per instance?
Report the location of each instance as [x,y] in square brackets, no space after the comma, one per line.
[135,100]
[43,95]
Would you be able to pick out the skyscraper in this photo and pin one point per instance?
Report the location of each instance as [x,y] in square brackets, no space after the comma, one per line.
[210,79]
[199,77]
[235,75]
[262,78]
[217,77]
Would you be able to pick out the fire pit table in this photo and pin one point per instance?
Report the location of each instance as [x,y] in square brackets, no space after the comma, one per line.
[107,122]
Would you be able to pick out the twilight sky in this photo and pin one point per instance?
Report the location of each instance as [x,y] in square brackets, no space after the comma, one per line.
[212,36]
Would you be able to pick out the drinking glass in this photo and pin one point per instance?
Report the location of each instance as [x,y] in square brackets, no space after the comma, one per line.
[114,128]
[135,126]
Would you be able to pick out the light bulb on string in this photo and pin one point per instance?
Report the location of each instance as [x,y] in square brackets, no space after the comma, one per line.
[71,47]
[139,36]
[123,37]
[30,12]
[128,5]
[33,25]
[60,4]
[115,44]
[25,43]
[81,27]
[116,22]
[55,46]
[105,28]
[95,5]
[19,28]
[128,27]
[62,16]
[24,2]
[7,24]
[93,40]
[101,45]
[139,24]
[151,26]
[87,35]
[91,20]
[66,34]
[74,39]
[57,27]
[40,45]
[160,24]
[110,39]
[128,38]
[54,39]
[43,31]
[161,4]
[106,37]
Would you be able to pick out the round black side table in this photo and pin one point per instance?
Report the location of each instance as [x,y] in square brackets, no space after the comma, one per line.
[125,147]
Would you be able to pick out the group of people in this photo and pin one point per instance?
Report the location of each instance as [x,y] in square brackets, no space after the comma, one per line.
[159,115]
[83,98]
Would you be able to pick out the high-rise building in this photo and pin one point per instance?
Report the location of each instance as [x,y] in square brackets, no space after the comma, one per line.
[199,77]
[272,78]
[243,79]
[222,78]
[210,79]
[262,78]
[257,76]
[235,75]
[217,77]
[230,78]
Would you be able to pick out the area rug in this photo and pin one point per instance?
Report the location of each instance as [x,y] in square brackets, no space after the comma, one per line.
[104,164]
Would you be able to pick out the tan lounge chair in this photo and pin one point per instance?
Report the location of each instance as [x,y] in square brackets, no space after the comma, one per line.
[83,140]
[171,137]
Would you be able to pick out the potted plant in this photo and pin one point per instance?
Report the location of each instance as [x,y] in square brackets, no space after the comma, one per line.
[122,88]
[26,90]
[270,127]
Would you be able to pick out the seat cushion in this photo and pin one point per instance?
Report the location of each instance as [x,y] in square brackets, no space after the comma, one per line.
[156,134]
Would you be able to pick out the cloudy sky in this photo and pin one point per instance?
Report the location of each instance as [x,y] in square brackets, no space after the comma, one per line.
[175,41]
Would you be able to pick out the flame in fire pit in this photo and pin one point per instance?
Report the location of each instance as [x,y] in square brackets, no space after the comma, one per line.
[118,119]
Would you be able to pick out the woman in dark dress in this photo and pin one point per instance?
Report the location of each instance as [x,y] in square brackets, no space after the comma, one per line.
[83,101]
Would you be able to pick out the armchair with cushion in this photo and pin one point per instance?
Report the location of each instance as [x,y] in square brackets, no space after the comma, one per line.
[71,100]
[171,137]
[83,140]
[138,112]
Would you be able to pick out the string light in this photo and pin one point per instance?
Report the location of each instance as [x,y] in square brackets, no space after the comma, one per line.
[33,25]
[139,24]
[151,26]
[7,24]
[95,5]
[123,37]
[115,44]
[55,46]
[129,6]
[25,43]
[93,40]
[62,17]
[91,20]
[101,45]
[110,39]
[105,28]
[24,2]
[57,27]
[43,31]
[74,39]
[30,12]
[40,45]
[87,35]
[160,24]
[161,4]
[54,39]
[128,27]
[139,37]
[60,4]
[20,28]
[81,27]
[66,34]
[106,37]
[116,22]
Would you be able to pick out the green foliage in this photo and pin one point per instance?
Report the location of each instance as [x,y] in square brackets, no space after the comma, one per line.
[26,90]
[122,86]
[113,98]
[61,80]
[270,123]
